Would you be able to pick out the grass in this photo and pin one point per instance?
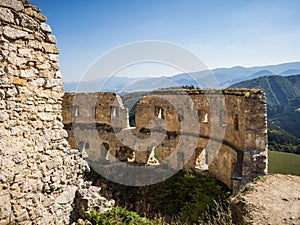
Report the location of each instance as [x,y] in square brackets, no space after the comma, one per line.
[284,163]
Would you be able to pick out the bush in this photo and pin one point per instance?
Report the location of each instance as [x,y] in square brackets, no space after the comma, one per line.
[117,216]
[219,214]
[183,198]
[188,195]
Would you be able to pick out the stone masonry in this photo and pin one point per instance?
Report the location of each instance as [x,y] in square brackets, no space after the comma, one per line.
[231,120]
[39,173]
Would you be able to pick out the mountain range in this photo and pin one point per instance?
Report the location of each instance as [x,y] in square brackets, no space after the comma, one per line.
[216,78]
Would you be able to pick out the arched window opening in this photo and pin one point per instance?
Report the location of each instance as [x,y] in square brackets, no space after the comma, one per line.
[180,116]
[80,145]
[222,118]
[84,149]
[203,116]
[114,111]
[76,111]
[104,148]
[180,160]
[202,160]
[159,112]
[236,122]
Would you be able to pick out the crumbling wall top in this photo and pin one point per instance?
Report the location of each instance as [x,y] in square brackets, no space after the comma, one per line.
[228,91]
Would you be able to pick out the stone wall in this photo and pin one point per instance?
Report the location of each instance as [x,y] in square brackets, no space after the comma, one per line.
[39,173]
[85,113]
[231,120]
[239,115]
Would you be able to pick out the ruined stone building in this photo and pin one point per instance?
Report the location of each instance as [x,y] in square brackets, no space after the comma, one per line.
[223,131]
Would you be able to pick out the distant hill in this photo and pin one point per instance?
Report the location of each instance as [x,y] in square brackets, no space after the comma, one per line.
[114,84]
[220,77]
[282,92]
[290,72]
[261,73]
[283,103]
[279,68]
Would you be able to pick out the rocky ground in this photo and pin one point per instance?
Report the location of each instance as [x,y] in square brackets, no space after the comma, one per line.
[273,199]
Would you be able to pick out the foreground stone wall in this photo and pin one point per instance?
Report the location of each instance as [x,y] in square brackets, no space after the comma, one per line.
[232,121]
[39,173]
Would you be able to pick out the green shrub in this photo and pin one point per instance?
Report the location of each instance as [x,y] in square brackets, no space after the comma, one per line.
[117,216]
[187,195]
[183,198]
[218,214]
[247,188]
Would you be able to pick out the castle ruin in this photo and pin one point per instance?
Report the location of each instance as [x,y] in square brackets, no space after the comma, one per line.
[230,133]
[41,176]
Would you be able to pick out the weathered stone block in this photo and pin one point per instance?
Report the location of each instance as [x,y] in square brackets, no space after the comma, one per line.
[18,81]
[54,57]
[28,73]
[6,15]
[51,38]
[5,207]
[40,17]
[35,44]
[13,33]
[46,28]
[53,82]
[38,82]
[13,4]
[27,52]
[29,11]
[50,48]
[3,116]
[67,196]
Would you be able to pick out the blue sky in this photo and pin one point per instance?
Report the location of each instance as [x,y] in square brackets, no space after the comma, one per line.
[221,33]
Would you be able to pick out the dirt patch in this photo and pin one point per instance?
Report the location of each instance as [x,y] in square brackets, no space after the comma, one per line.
[275,199]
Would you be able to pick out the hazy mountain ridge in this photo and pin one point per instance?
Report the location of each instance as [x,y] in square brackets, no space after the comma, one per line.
[223,77]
